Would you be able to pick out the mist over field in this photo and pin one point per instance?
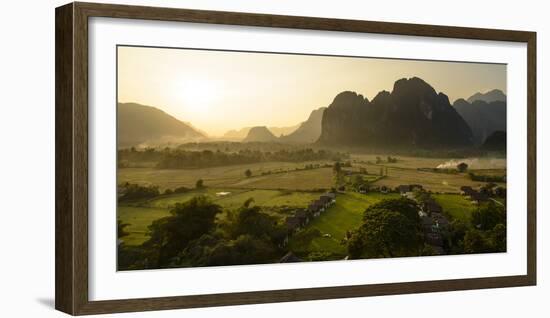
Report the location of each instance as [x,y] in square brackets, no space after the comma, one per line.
[475,163]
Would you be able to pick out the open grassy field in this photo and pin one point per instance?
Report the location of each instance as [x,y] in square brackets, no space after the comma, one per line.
[433,181]
[345,215]
[424,162]
[235,198]
[139,219]
[402,161]
[288,187]
[140,214]
[405,171]
[293,180]
[216,176]
[457,206]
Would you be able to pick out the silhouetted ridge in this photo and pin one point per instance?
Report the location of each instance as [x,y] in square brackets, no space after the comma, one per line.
[496,142]
[259,134]
[137,124]
[482,117]
[412,115]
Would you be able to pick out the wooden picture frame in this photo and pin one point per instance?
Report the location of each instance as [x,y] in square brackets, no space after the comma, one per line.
[71,90]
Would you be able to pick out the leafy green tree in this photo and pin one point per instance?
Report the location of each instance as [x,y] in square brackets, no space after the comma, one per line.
[136,192]
[488,216]
[462,167]
[497,238]
[457,231]
[245,249]
[188,221]
[475,242]
[250,220]
[246,236]
[404,206]
[337,168]
[199,184]
[358,181]
[384,233]
[181,189]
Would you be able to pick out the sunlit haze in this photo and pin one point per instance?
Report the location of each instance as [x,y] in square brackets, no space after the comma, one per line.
[217,91]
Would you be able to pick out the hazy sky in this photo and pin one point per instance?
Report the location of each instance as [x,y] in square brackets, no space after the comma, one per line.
[217,91]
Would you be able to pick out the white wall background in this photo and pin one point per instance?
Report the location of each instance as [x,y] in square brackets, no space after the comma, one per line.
[27,158]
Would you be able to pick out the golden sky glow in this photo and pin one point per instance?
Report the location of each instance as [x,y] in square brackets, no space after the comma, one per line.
[217,91]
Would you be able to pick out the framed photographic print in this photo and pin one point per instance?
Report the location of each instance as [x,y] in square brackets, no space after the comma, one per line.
[219,158]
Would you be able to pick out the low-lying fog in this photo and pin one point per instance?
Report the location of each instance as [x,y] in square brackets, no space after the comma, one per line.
[476,163]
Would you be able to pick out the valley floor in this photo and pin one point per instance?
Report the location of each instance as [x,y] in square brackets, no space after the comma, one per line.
[280,188]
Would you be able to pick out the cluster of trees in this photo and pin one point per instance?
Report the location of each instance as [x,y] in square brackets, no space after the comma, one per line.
[487,178]
[389,159]
[192,236]
[136,192]
[236,146]
[357,181]
[181,189]
[131,191]
[180,158]
[390,228]
[462,167]
[486,232]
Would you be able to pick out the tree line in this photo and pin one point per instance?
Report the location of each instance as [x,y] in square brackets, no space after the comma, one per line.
[193,235]
[173,158]
[392,228]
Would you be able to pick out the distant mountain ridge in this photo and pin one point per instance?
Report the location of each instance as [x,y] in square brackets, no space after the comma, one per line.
[495,95]
[412,115]
[260,134]
[309,130]
[138,124]
[239,134]
[495,142]
[483,118]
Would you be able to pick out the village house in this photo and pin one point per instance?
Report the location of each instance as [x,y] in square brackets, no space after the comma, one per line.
[427,224]
[441,222]
[293,224]
[432,234]
[478,198]
[430,206]
[316,207]
[474,195]
[434,224]
[302,216]
[404,188]
[363,189]
[434,239]
[328,198]
[466,190]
